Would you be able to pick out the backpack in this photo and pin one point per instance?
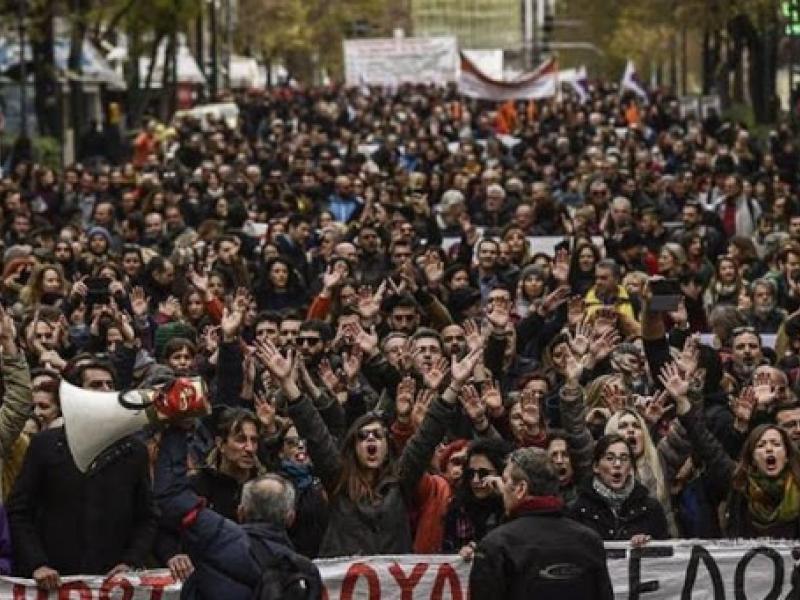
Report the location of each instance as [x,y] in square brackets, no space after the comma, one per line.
[284,576]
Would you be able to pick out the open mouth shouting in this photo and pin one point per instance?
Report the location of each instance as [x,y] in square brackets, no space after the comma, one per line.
[771,465]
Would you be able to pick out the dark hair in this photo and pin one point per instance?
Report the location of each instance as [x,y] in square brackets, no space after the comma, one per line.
[321,327]
[745,466]
[605,442]
[178,343]
[231,421]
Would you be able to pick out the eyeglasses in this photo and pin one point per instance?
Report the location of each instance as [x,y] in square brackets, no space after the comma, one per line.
[457,461]
[623,459]
[365,434]
[481,473]
[311,341]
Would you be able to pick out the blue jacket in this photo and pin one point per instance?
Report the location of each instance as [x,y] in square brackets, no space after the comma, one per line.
[218,547]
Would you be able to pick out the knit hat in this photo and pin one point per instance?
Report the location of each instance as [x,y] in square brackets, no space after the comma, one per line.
[172,330]
[97,230]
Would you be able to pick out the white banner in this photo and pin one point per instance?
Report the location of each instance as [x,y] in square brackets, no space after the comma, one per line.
[674,570]
[392,61]
[669,570]
[540,83]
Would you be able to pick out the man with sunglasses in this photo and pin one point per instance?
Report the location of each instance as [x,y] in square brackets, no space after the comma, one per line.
[539,552]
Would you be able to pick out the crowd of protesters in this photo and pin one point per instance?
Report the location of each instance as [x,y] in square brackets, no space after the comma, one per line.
[359,279]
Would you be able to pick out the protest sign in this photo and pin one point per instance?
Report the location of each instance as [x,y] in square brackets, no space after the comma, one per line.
[392,61]
[668,570]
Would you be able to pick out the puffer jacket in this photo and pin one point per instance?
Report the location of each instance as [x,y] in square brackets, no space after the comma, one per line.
[382,527]
[639,514]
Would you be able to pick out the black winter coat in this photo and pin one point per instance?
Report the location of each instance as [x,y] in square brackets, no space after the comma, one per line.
[639,514]
[81,523]
[540,554]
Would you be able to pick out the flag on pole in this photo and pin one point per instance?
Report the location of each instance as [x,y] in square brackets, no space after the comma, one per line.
[631,81]
[539,83]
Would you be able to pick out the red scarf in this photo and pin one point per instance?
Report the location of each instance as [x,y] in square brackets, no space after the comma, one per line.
[531,504]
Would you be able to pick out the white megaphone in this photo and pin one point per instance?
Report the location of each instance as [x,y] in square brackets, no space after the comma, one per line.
[94,420]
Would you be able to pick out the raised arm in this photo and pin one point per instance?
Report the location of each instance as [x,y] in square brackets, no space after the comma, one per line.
[17,405]
[420,448]
[321,444]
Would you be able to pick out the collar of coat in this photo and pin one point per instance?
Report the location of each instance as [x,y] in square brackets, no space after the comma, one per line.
[537,504]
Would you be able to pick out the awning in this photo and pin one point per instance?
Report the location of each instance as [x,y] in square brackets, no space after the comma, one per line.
[188,69]
[94,66]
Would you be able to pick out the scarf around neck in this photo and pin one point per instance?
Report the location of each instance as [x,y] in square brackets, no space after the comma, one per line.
[300,475]
[614,498]
[773,500]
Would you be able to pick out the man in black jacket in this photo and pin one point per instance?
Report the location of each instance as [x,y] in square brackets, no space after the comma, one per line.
[538,552]
[64,522]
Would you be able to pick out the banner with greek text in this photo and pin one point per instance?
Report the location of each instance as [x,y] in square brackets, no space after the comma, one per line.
[392,61]
[670,570]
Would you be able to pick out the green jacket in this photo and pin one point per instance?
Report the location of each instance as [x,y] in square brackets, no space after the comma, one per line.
[17,403]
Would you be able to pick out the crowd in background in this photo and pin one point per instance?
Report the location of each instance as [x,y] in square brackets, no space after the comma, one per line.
[388,293]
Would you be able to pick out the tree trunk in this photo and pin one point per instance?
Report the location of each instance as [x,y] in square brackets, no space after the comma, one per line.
[46,98]
[167,78]
[76,102]
[763,65]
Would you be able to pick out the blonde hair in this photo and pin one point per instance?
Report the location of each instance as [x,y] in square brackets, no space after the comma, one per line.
[648,464]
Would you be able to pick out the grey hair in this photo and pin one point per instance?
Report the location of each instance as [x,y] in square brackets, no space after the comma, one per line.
[534,467]
[263,504]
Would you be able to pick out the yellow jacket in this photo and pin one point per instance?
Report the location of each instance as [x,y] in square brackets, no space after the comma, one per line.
[622,303]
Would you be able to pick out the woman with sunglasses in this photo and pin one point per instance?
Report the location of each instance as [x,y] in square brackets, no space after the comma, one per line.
[476,508]
[370,493]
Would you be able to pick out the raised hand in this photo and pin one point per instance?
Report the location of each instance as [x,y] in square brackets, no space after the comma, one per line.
[404,398]
[352,363]
[434,376]
[368,303]
[554,299]
[282,368]
[573,367]
[333,275]
[603,344]
[764,391]
[460,370]
[579,342]
[170,307]
[433,269]
[678,387]
[472,403]
[606,318]
[491,397]
[139,302]
[743,407]
[423,401]
[499,315]
[561,269]
[689,357]
[329,378]
[473,335]
[367,341]
[231,322]
[654,408]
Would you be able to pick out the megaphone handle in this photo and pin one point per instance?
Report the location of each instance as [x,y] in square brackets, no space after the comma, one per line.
[131,405]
